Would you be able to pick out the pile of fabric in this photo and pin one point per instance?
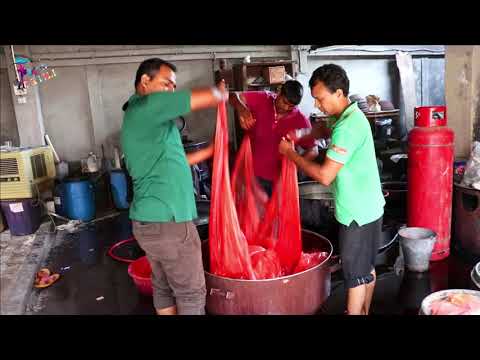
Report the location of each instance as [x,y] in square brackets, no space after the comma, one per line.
[456,304]
[250,236]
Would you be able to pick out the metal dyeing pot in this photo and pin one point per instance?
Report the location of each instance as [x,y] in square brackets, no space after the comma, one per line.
[298,294]
[317,211]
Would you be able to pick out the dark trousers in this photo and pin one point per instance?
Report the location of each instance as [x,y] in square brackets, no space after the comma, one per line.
[174,252]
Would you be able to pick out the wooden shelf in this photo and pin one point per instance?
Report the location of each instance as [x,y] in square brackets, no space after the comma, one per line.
[264,85]
[368,115]
[270,63]
[245,71]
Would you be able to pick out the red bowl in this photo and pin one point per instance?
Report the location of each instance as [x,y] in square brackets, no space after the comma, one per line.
[141,272]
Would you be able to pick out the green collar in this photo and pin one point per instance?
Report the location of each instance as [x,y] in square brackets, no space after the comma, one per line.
[347,111]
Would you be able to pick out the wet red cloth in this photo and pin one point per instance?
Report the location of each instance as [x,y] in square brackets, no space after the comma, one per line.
[280,229]
[250,199]
[309,260]
[229,255]
[249,237]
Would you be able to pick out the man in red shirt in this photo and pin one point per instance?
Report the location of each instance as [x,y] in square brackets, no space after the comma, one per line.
[267,117]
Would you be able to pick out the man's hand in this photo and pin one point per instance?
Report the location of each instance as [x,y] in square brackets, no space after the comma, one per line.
[220,93]
[247,121]
[286,146]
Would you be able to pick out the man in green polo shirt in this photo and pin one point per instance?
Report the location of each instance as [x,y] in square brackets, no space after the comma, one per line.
[350,168]
[163,204]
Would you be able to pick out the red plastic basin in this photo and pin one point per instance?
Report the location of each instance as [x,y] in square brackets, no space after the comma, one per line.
[141,273]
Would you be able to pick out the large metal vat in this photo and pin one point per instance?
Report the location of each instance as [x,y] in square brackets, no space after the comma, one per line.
[298,294]
[317,212]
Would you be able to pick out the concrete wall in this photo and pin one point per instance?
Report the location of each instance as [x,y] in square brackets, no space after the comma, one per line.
[462,94]
[81,107]
[378,74]
[66,113]
[367,76]
[8,122]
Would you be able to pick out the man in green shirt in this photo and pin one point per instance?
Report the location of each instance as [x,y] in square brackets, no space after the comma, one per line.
[350,168]
[163,204]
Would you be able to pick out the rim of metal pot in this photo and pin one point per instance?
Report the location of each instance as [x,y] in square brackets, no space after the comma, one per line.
[287,276]
[329,194]
[475,275]
[390,243]
[312,182]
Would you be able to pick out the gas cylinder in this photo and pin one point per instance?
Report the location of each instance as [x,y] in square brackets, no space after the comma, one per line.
[430,176]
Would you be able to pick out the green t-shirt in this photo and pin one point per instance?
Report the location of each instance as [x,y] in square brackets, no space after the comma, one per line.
[155,158]
[357,188]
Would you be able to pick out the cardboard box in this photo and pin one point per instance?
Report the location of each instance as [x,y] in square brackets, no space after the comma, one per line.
[274,74]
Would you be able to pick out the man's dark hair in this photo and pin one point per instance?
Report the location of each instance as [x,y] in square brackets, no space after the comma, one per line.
[151,67]
[333,76]
[293,91]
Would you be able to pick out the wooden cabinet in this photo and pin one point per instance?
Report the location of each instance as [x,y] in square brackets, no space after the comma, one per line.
[251,77]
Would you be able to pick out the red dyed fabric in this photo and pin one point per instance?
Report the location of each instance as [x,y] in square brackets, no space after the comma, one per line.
[266,265]
[229,255]
[250,199]
[309,260]
[249,236]
[280,228]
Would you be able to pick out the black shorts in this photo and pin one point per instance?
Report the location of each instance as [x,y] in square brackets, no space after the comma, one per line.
[358,249]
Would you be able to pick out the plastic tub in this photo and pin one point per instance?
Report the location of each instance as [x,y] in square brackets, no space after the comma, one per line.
[141,273]
[22,216]
[79,199]
[118,180]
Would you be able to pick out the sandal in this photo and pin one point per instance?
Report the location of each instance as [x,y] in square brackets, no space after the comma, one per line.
[46,281]
[43,272]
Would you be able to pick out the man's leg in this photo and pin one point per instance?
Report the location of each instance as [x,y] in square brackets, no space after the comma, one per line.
[163,299]
[375,230]
[370,287]
[356,297]
[150,239]
[186,274]
[355,252]
[172,310]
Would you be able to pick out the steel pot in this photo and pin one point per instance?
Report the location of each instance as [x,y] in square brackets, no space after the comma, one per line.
[317,210]
[298,294]
[396,201]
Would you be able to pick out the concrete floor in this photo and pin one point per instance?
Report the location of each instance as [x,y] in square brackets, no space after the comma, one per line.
[20,257]
[93,283]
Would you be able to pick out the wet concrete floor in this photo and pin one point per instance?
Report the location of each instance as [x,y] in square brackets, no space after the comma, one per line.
[93,283]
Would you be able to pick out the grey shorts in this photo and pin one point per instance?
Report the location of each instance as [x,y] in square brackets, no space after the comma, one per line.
[358,250]
[174,252]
